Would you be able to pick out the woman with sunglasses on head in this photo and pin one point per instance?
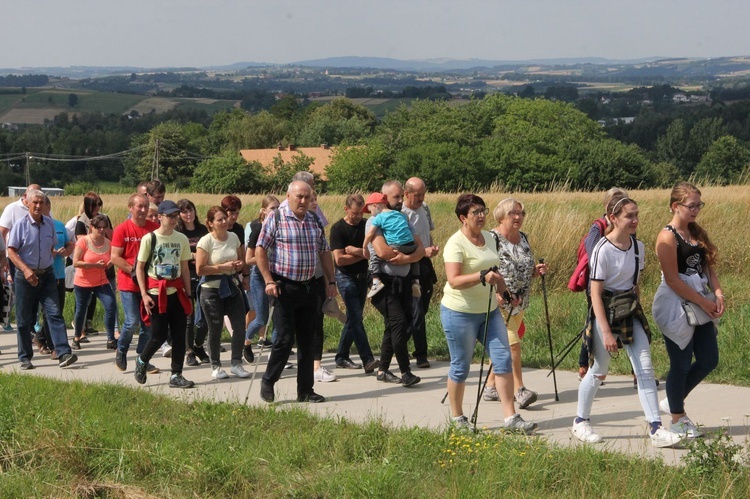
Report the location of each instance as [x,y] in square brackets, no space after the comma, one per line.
[91,258]
[616,265]
[218,259]
[92,205]
[469,311]
[688,265]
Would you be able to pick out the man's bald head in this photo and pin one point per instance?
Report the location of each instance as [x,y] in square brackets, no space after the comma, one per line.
[299,194]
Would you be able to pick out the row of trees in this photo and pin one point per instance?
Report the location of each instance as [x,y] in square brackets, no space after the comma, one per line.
[500,140]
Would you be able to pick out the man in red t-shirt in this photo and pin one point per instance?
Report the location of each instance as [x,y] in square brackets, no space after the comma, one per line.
[126,241]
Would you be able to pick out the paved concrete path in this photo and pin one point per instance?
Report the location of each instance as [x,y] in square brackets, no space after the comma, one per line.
[617,413]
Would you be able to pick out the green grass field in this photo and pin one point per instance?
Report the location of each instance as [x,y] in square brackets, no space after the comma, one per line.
[60,439]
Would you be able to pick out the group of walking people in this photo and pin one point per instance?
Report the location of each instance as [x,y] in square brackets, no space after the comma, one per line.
[182,281]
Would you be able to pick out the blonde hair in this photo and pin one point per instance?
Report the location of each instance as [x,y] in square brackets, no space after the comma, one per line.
[504,207]
[679,193]
[264,204]
[614,192]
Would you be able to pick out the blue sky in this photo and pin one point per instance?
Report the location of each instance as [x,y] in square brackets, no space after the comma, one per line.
[150,33]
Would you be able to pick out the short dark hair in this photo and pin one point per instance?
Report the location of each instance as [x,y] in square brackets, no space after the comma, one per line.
[465,202]
[353,199]
[156,186]
[231,203]
[90,201]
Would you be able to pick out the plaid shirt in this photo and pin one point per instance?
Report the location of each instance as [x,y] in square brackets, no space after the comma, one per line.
[295,244]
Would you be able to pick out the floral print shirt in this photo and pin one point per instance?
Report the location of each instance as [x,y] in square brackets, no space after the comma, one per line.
[516,267]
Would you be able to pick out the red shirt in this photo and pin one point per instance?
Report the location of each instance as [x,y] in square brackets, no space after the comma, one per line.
[128,236]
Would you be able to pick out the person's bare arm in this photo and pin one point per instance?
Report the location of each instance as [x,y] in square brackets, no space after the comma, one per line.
[119,261]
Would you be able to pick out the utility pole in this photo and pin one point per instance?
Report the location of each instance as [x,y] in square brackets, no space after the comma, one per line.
[28,173]
[155,166]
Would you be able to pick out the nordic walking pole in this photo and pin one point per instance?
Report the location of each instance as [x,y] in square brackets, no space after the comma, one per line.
[269,322]
[564,352]
[549,333]
[481,363]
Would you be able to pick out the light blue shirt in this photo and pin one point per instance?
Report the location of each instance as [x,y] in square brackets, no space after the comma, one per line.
[33,241]
[62,240]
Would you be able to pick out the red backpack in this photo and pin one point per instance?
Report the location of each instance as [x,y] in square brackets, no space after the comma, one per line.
[579,281]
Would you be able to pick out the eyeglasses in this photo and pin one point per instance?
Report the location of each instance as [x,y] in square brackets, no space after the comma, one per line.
[517,213]
[693,207]
[101,227]
[480,212]
[171,216]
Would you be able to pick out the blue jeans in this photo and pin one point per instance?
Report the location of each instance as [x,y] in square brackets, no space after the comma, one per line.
[639,353]
[260,304]
[463,330]
[105,295]
[28,299]
[354,293]
[684,374]
[131,305]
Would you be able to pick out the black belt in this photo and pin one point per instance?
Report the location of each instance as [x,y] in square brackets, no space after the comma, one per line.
[281,278]
[42,271]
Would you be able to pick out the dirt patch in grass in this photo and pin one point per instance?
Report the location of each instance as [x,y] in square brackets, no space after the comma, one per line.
[160,104]
[35,116]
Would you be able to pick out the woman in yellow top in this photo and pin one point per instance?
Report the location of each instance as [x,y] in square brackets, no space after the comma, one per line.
[471,261]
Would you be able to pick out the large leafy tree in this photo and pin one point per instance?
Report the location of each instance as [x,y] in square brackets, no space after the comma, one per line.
[227,173]
[725,161]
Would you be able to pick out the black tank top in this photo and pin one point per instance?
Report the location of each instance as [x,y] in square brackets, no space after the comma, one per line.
[689,256]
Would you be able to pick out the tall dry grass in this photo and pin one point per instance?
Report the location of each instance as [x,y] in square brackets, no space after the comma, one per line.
[555,222]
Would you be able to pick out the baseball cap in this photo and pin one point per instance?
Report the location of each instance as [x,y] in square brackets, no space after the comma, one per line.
[374,198]
[168,207]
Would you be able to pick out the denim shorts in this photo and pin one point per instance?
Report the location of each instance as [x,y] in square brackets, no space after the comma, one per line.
[463,330]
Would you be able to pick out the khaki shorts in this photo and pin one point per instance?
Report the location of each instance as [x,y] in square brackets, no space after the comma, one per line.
[513,324]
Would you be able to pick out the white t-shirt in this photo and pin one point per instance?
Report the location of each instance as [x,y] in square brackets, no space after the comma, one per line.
[12,213]
[615,267]
[219,252]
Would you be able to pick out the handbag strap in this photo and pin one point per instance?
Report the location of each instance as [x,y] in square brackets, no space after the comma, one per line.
[637,260]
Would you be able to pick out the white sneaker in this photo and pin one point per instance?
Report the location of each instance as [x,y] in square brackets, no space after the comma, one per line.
[664,406]
[664,438]
[239,371]
[219,373]
[686,428]
[166,350]
[324,375]
[376,287]
[584,432]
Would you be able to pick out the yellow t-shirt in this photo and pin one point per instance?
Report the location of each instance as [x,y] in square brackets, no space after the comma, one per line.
[472,258]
